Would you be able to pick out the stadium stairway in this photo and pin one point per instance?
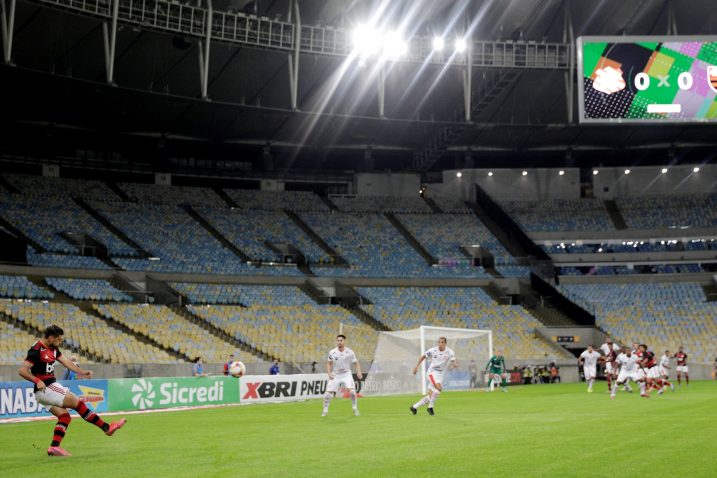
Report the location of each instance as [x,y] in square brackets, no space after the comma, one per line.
[225,197]
[8,187]
[710,292]
[365,317]
[111,227]
[329,203]
[39,333]
[18,233]
[432,204]
[217,332]
[216,234]
[335,256]
[90,309]
[615,215]
[116,189]
[411,239]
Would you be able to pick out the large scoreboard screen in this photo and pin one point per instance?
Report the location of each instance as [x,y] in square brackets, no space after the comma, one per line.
[647,79]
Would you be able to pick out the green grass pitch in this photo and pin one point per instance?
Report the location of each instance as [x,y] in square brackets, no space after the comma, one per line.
[544,430]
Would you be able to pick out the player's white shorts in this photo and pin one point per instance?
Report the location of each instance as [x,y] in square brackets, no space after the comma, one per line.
[590,372]
[434,378]
[609,369]
[624,375]
[52,396]
[345,379]
[664,372]
[641,374]
[683,368]
[654,372]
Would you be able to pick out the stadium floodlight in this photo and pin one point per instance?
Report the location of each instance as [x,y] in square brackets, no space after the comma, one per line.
[525,173]
[595,171]
[459,174]
[461,45]
[561,172]
[490,173]
[394,46]
[627,171]
[367,41]
[438,43]
[664,170]
[696,170]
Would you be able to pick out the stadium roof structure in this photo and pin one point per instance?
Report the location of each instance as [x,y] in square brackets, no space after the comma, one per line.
[286,73]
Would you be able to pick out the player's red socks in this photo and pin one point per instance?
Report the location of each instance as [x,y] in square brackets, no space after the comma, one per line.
[63,421]
[91,417]
[609,383]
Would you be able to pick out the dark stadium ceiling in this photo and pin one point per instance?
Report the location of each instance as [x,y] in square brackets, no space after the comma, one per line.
[59,78]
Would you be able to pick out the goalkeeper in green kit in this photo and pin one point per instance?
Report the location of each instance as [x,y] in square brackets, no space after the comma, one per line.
[496,371]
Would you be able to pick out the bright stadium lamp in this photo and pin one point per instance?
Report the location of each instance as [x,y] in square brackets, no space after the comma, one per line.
[459,174]
[460,45]
[627,171]
[367,41]
[595,172]
[696,170]
[561,172]
[394,46]
[438,43]
[664,170]
[525,173]
[490,173]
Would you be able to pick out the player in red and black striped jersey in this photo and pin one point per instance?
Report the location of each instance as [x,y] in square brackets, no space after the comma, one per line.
[682,367]
[39,368]
[653,376]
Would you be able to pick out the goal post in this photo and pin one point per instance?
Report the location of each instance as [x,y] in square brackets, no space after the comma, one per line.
[397,352]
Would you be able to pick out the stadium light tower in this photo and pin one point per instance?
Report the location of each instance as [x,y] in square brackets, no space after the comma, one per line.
[460,45]
[394,46]
[367,41]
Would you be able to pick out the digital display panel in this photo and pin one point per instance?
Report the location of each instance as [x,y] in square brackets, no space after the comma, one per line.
[647,79]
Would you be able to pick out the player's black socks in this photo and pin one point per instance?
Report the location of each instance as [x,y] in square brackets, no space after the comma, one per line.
[91,417]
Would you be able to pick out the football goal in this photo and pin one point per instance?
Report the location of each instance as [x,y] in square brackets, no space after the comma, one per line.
[397,353]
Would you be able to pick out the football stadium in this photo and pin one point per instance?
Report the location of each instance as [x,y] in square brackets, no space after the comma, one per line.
[358,237]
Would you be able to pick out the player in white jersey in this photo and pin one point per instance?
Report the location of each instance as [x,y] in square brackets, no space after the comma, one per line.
[665,365]
[664,370]
[589,359]
[629,368]
[441,358]
[610,351]
[338,366]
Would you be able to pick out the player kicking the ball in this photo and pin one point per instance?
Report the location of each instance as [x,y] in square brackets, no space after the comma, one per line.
[441,357]
[39,367]
[338,367]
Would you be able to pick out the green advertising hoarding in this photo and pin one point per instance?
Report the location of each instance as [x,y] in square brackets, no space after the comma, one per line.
[170,392]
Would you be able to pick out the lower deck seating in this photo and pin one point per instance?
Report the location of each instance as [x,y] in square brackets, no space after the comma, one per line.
[663,316]
[513,328]
[171,330]
[87,332]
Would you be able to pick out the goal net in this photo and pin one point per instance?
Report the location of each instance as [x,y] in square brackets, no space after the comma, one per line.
[398,352]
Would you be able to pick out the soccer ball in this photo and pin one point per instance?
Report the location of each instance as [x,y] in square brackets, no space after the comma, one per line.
[237,369]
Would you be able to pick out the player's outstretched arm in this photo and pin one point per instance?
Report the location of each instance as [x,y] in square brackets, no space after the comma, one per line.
[329,371]
[421,359]
[69,364]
